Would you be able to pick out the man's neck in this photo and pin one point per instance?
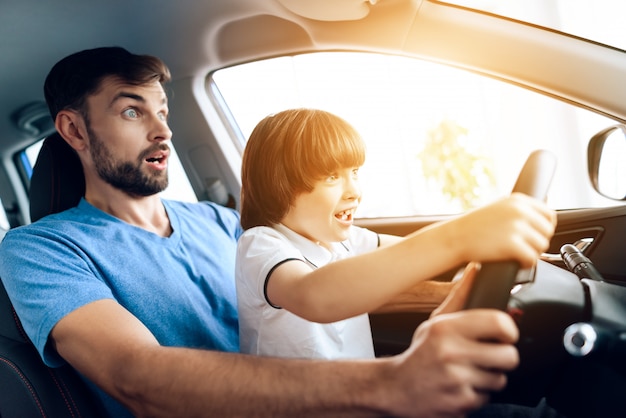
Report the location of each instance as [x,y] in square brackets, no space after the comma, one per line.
[144,212]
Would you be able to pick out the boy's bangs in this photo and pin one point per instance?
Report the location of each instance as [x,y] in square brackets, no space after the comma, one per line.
[321,145]
[334,151]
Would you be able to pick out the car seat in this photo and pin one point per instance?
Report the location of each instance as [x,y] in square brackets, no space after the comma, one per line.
[57,182]
[28,388]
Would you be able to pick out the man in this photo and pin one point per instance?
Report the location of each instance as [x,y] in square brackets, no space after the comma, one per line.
[137,293]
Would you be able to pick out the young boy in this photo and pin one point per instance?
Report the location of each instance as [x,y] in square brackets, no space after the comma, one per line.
[307,277]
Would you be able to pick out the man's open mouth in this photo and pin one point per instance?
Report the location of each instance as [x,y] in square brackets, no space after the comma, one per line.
[157,159]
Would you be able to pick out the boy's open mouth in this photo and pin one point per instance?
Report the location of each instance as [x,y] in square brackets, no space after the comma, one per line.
[345,215]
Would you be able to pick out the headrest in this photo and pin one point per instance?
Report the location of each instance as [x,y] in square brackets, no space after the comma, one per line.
[57,182]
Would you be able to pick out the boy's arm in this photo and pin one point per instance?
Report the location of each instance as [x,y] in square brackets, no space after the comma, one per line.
[423,297]
[514,228]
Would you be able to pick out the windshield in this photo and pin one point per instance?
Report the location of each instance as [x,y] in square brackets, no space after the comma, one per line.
[599,21]
[440,140]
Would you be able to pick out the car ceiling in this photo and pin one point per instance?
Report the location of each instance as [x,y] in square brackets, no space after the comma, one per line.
[192,36]
[196,36]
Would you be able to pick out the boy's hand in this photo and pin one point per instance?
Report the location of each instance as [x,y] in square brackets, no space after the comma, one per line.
[517,227]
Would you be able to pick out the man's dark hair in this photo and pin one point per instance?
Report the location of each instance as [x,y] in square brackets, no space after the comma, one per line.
[79,75]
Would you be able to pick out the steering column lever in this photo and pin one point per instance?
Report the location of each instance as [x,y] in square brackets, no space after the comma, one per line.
[582,244]
[578,264]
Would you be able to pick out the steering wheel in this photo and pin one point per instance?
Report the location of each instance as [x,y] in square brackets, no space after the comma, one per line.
[493,283]
[548,299]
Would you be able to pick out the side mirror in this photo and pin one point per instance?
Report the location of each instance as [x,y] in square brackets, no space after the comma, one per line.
[606,156]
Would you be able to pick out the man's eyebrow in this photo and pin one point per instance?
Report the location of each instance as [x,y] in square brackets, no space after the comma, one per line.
[126,95]
[137,97]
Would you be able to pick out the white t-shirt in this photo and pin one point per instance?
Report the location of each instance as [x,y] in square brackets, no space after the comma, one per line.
[272,331]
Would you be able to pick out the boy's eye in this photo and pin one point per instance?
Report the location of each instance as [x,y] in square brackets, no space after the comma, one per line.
[131,113]
[331,178]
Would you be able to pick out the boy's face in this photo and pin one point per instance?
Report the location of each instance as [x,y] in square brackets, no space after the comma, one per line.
[128,134]
[325,214]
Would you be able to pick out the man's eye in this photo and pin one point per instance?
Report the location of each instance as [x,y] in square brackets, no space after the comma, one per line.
[331,178]
[163,116]
[131,113]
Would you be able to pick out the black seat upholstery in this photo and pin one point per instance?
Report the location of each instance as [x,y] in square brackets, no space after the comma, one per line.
[28,388]
[57,182]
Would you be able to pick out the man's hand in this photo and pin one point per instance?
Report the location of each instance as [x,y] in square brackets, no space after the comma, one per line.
[457,358]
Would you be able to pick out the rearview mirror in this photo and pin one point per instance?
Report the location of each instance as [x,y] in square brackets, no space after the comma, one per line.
[606,154]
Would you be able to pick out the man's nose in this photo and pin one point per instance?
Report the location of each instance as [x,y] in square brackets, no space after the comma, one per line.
[161,130]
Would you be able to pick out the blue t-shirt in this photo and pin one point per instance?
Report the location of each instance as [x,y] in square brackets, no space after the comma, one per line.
[181,287]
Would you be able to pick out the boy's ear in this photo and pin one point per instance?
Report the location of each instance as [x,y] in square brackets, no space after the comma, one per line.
[70,125]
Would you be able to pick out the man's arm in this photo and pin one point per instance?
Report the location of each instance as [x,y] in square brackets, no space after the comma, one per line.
[447,370]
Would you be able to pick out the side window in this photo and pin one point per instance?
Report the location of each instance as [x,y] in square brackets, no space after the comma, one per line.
[4,221]
[179,186]
[440,140]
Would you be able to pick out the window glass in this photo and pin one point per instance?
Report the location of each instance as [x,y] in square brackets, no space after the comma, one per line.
[440,140]
[179,187]
[4,220]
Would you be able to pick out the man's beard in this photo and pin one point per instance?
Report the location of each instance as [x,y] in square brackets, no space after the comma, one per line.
[126,175]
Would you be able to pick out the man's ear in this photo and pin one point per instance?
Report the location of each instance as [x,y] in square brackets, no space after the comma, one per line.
[71,126]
